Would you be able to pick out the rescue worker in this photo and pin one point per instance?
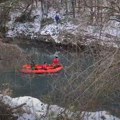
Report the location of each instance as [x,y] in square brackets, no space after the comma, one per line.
[56,62]
[57,19]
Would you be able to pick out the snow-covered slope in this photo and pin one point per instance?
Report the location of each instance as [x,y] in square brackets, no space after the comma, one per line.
[80,31]
[29,29]
[35,109]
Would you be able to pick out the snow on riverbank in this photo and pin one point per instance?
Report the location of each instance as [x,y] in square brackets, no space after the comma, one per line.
[54,30]
[101,115]
[30,29]
[33,29]
[32,105]
[108,34]
[35,109]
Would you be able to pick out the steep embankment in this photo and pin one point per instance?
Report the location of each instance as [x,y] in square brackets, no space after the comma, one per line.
[68,31]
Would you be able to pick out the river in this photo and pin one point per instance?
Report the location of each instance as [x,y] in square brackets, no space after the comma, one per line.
[37,85]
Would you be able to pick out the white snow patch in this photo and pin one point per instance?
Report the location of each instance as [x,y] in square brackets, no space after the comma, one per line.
[113,28]
[51,13]
[26,116]
[35,109]
[107,35]
[54,30]
[33,105]
[101,115]
[28,28]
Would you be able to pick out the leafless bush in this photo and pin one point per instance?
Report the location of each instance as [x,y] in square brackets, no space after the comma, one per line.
[91,88]
[5,112]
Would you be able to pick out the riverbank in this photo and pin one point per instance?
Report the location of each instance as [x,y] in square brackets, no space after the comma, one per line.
[32,109]
[71,31]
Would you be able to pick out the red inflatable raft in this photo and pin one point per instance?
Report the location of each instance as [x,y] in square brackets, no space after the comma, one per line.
[39,70]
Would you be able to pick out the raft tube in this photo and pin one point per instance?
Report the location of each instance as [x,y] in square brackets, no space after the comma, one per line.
[38,69]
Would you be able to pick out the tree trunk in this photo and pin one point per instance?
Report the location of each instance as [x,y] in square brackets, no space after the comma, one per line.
[66,6]
[79,5]
[42,7]
[73,8]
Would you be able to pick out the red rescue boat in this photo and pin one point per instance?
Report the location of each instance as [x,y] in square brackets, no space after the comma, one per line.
[39,70]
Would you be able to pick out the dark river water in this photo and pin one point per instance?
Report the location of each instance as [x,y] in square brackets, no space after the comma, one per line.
[37,85]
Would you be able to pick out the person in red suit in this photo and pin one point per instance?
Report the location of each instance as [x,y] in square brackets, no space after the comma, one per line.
[56,62]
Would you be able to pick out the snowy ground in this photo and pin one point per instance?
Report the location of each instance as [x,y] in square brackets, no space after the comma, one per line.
[35,109]
[33,29]
[109,34]
[28,28]
[106,35]
[54,30]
